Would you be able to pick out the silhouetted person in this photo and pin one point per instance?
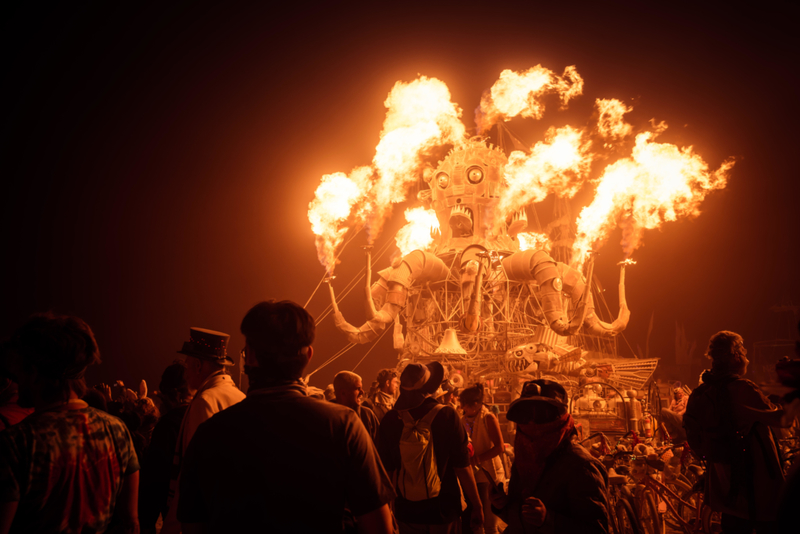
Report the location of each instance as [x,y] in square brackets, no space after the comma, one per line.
[206,359]
[556,486]
[67,467]
[727,423]
[349,392]
[280,461]
[157,462]
[484,432]
[789,375]
[425,447]
[672,417]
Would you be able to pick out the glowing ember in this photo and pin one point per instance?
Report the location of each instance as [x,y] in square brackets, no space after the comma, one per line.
[533,241]
[558,165]
[521,93]
[417,233]
[659,182]
[610,123]
[331,208]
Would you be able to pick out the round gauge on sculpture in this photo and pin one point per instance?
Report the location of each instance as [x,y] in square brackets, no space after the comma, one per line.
[474,175]
[442,180]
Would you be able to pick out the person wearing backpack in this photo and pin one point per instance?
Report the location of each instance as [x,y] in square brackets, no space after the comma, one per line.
[423,446]
[727,424]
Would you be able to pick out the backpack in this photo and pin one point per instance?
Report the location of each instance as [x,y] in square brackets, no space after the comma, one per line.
[418,477]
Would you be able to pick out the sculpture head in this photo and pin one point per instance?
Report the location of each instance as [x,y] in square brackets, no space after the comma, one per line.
[465,191]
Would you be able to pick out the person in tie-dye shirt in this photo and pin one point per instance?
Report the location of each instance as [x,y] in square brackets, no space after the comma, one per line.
[67,467]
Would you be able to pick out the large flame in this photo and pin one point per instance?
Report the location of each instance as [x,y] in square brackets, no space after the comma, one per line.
[534,241]
[416,234]
[559,165]
[610,123]
[521,94]
[332,207]
[659,182]
[420,116]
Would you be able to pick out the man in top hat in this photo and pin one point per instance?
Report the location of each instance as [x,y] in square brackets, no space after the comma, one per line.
[556,486]
[206,360]
[439,514]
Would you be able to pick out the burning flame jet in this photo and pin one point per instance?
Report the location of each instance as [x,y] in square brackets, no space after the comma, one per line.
[479,196]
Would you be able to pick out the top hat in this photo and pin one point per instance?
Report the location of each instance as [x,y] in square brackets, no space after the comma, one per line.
[207,345]
[538,391]
[417,382]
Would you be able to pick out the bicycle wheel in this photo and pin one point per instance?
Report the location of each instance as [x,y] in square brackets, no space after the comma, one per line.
[626,522]
[649,518]
[712,521]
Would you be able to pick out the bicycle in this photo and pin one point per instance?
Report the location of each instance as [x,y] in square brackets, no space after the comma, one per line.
[683,507]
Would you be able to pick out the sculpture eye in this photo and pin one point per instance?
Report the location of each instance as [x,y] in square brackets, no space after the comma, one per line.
[475,175]
[443,180]
[518,354]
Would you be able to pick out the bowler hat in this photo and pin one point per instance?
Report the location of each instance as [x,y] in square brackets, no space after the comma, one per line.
[207,345]
[535,392]
[417,382]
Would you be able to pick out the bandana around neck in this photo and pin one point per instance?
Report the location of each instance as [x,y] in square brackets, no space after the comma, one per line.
[532,449]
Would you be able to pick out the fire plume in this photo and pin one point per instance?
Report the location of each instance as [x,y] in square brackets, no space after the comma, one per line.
[558,165]
[521,93]
[610,123]
[660,182]
[533,241]
[416,234]
[333,204]
[419,117]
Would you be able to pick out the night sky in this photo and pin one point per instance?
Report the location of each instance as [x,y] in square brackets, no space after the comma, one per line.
[157,162]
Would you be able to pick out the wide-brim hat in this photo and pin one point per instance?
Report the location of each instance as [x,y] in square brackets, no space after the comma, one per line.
[536,392]
[417,382]
[208,345]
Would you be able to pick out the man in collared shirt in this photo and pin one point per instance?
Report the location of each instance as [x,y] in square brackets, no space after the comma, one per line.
[292,462]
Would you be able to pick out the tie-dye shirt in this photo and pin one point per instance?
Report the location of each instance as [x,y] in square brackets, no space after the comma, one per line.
[66,469]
